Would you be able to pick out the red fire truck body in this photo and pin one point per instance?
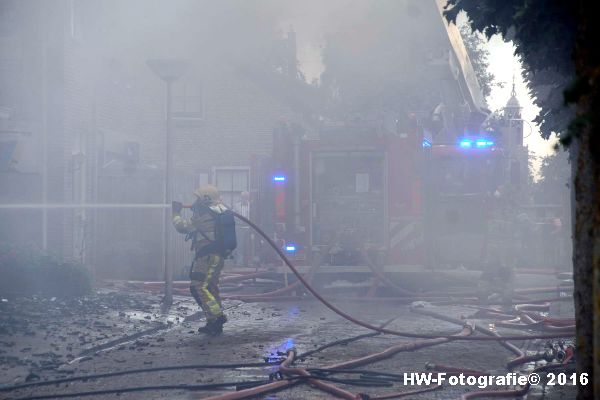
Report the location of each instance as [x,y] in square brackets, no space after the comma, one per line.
[343,192]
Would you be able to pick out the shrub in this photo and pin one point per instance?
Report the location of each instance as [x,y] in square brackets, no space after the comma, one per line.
[27,271]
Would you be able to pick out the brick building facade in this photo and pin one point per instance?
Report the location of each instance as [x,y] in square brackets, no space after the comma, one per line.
[90,123]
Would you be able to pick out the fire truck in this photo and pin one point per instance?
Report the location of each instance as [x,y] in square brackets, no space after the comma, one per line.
[352,188]
[422,193]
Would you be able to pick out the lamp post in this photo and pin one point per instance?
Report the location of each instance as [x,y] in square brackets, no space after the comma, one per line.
[168,70]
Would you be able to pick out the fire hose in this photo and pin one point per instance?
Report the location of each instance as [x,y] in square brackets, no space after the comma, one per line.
[336,391]
[502,339]
[521,358]
[509,393]
[455,370]
[528,320]
[373,327]
[381,276]
[277,292]
[466,331]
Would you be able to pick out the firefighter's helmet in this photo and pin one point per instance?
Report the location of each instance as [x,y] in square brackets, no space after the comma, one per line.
[208,194]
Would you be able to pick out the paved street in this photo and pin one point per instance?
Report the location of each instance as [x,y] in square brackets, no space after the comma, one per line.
[115,331]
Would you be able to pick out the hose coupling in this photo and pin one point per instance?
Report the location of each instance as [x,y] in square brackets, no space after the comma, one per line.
[470,325]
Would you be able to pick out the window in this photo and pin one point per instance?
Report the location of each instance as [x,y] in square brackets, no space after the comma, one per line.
[203,178]
[231,181]
[187,100]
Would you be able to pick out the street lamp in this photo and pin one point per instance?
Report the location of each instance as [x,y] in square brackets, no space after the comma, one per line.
[169,70]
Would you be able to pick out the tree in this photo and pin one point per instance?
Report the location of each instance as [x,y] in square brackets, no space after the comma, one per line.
[478,54]
[555,40]
[555,174]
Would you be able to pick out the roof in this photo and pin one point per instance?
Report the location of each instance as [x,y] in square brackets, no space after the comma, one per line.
[513,102]
[474,95]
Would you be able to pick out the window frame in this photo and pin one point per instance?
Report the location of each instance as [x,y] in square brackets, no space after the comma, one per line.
[180,95]
[232,198]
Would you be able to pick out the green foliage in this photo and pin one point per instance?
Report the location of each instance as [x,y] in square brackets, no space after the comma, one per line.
[555,174]
[478,54]
[543,32]
[27,270]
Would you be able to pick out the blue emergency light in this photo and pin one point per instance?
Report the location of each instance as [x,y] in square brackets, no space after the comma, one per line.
[484,143]
[279,178]
[290,248]
[479,143]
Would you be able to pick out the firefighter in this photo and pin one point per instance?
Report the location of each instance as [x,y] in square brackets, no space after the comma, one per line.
[496,282]
[208,264]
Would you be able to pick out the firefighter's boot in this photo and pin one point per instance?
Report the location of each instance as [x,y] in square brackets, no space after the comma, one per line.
[214,327]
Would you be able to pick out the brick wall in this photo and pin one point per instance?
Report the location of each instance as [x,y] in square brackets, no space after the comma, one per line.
[99,95]
[239,117]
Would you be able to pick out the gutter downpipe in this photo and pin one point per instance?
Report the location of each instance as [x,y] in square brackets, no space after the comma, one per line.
[44,130]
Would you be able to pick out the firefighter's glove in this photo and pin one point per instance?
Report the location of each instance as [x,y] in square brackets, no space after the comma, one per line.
[176,207]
